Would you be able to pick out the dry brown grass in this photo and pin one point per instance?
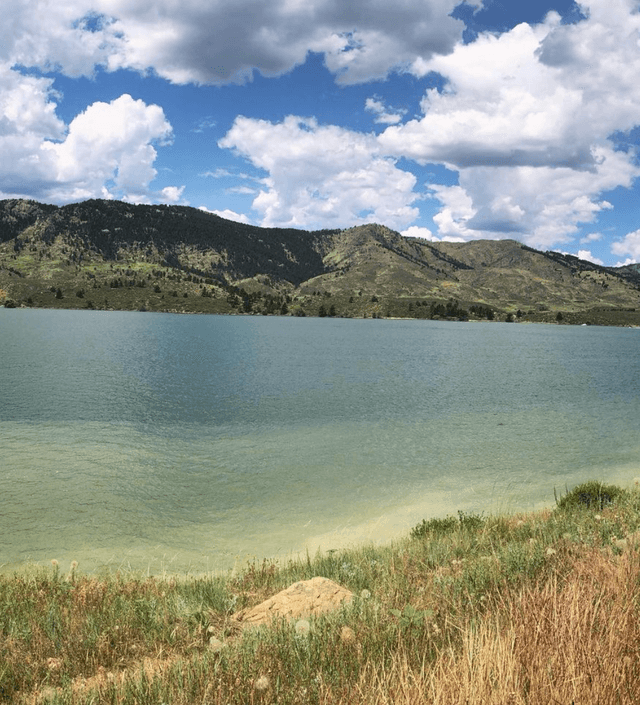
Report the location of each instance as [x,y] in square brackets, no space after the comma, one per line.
[575,640]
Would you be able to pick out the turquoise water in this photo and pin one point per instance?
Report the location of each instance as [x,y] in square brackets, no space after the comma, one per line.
[195,443]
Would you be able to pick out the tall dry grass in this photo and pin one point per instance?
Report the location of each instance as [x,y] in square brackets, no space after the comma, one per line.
[569,640]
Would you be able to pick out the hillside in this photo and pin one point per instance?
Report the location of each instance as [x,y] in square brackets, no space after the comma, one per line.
[113,255]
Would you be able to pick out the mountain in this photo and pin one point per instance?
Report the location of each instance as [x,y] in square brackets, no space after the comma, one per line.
[114,255]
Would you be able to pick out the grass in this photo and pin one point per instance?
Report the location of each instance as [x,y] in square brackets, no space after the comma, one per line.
[532,608]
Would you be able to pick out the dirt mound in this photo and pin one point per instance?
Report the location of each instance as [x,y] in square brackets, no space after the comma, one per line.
[302,599]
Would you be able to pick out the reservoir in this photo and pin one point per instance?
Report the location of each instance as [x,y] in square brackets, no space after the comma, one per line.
[187,443]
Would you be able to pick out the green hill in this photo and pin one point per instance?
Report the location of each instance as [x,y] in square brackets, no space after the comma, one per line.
[113,255]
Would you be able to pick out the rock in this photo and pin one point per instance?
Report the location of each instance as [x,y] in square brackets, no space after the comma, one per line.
[302,599]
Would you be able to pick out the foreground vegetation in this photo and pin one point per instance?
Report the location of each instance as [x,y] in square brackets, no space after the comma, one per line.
[532,608]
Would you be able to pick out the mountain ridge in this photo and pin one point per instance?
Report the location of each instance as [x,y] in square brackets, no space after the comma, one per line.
[106,249]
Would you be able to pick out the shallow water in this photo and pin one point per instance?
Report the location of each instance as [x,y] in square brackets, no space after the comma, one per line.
[157,441]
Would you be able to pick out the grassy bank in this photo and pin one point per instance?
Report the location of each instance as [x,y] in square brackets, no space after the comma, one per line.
[536,608]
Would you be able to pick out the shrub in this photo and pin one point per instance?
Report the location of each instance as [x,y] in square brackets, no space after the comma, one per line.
[590,495]
[443,527]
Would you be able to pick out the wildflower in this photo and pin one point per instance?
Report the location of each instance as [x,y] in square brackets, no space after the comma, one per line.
[72,571]
[215,644]
[54,664]
[347,635]
[261,684]
[302,627]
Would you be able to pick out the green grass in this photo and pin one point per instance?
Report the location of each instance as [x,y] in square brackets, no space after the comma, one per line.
[70,638]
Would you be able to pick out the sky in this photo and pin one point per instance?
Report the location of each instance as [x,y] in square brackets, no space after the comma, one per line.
[486,119]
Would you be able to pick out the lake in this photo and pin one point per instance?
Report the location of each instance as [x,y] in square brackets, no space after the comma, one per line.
[196,443]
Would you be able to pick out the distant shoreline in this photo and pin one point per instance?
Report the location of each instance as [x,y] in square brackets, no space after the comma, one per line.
[568,319]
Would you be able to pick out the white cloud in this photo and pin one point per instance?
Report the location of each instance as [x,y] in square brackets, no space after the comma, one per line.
[586,255]
[64,36]
[322,176]
[383,114]
[204,124]
[629,245]
[192,41]
[540,206]
[106,151]
[228,215]
[219,173]
[526,119]
[591,237]
[110,142]
[242,190]
[418,231]
[172,194]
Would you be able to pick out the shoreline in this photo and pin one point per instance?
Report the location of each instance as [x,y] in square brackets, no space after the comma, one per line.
[465,610]
[577,315]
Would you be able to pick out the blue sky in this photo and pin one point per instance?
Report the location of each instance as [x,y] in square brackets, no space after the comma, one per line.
[440,119]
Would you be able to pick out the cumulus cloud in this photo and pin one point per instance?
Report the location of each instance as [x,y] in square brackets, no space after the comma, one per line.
[107,151]
[541,206]
[586,255]
[193,41]
[526,119]
[228,214]
[322,175]
[173,194]
[66,36]
[629,245]
[190,41]
[418,231]
[27,120]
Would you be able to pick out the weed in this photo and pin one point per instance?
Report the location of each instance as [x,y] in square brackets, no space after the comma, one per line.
[590,495]
[443,527]
[411,619]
